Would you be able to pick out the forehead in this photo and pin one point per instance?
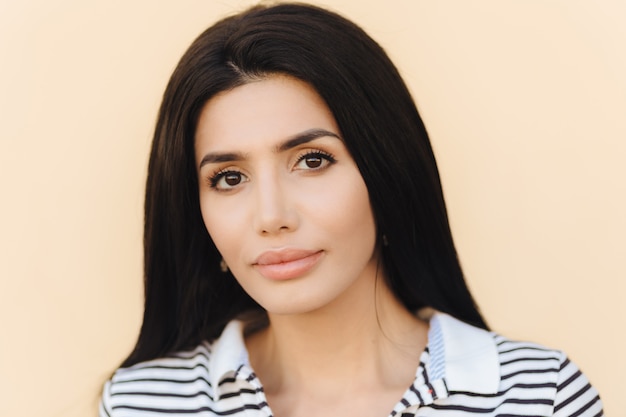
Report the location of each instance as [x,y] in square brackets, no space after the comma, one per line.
[270,109]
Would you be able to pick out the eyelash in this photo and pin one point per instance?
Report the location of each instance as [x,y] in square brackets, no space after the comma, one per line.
[214,179]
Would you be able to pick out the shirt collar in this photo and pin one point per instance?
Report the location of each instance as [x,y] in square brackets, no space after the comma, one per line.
[228,354]
[464,356]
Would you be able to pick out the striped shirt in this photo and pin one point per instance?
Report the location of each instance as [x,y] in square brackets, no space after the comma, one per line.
[464,371]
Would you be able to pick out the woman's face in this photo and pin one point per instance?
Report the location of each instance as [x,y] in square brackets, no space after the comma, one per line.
[282,198]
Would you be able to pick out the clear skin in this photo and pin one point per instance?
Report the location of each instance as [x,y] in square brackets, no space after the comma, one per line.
[288,210]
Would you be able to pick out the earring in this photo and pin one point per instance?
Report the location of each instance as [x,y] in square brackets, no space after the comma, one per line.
[385,241]
[223,266]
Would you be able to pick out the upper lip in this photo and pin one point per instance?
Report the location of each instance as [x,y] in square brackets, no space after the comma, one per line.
[279,256]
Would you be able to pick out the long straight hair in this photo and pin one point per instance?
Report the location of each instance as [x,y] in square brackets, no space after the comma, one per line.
[187,298]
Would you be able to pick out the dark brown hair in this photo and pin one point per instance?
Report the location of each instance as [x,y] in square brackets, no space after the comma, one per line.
[187,298]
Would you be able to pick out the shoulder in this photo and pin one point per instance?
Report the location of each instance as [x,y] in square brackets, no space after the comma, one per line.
[213,378]
[528,371]
[486,363]
[511,376]
[549,374]
[160,384]
[518,358]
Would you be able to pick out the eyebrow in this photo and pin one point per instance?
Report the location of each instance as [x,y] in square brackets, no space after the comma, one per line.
[292,142]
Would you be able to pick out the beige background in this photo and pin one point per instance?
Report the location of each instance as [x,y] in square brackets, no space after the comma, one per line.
[525,102]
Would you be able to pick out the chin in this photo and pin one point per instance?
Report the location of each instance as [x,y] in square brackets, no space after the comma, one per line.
[291,309]
[293,306]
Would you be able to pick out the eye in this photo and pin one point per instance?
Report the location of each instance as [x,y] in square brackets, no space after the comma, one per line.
[314,160]
[227,180]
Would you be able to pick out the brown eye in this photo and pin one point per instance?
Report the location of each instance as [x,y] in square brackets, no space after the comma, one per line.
[227,180]
[232,178]
[313,161]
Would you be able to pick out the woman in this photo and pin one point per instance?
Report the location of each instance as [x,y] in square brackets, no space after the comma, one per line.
[298,257]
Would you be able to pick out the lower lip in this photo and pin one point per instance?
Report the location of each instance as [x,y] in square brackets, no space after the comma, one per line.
[289,270]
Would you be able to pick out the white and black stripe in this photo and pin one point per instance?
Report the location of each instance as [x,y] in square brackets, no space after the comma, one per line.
[532,381]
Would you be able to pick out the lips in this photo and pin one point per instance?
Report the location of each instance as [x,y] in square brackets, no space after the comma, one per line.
[286,263]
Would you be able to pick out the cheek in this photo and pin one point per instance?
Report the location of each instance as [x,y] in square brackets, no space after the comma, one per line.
[361,219]
[221,224]
[346,212]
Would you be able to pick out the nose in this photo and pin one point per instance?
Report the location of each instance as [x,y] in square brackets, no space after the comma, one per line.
[273,210]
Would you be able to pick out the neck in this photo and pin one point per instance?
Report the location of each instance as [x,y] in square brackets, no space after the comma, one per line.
[362,341]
